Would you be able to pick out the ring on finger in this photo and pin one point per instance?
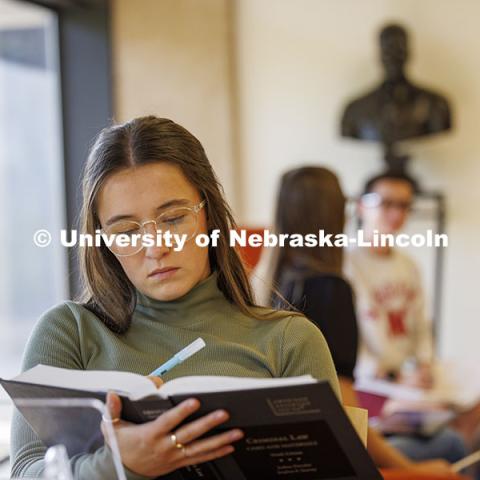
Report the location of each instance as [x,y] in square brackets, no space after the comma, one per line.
[175,442]
[110,420]
[184,451]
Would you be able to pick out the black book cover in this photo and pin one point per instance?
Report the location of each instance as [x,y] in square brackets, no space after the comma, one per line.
[296,432]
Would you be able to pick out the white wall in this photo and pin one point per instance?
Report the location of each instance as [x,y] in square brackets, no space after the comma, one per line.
[299,61]
[171,58]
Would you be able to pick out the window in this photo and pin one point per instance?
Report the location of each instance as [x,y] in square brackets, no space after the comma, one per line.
[32,279]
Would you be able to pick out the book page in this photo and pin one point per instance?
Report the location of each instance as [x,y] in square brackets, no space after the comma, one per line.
[124,383]
[359,419]
[207,383]
[136,386]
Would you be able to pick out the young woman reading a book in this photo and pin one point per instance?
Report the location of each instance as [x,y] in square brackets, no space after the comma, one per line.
[142,304]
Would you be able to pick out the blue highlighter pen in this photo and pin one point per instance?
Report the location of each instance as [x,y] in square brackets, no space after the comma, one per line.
[179,357]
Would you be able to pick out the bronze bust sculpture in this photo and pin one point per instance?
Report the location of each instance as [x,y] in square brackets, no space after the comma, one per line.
[397,109]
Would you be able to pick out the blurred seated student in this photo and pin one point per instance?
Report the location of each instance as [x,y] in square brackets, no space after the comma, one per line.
[396,337]
[310,278]
[142,304]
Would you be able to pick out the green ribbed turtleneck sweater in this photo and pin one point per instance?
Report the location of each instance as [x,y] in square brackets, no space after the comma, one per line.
[70,336]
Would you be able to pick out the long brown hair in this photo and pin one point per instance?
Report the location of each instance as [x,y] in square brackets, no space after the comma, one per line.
[309,199]
[106,290]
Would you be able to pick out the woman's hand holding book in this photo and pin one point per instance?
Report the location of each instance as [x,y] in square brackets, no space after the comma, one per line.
[156,448]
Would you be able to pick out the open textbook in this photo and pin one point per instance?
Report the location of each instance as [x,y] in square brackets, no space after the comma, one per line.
[294,427]
[136,387]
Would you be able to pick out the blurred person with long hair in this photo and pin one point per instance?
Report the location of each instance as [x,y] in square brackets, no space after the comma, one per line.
[311,280]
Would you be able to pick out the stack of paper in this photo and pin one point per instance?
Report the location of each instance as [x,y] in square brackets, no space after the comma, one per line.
[456,385]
